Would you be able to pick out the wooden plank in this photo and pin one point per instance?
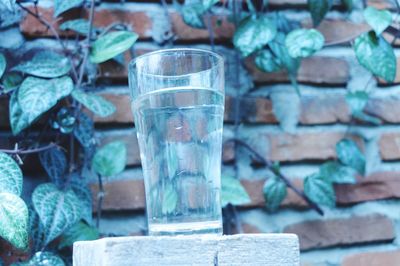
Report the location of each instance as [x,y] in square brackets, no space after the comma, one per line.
[249,249]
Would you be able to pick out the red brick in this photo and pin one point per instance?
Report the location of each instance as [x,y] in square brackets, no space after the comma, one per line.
[380,185]
[338,31]
[383,185]
[397,78]
[342,232]
[389,146]
[316,69]
[121,195]
[140,22]
[123,113]
[130,139]
[302,146]
[381,4]
[385,258]
[247,229]
[133,157]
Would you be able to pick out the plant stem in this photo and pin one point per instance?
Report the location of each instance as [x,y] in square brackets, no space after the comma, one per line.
[88,42]
[100,196]
[289,184]
[210,31]
[29,151]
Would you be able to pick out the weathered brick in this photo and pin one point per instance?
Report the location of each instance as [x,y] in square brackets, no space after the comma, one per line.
[389,146]
[382,185]
[247,229]
[314,110]
[338,31]
[340,232]
[302,146]
[139,21]
[382,4]
[121,195]
[130,139]
[382,258]
[133,156]
[255,190]
[316,69]
[123,113]
[397,78]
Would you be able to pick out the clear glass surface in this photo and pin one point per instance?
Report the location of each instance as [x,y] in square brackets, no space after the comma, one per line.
[178,106]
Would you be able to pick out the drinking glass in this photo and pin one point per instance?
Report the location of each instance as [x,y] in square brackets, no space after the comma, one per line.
[178,106]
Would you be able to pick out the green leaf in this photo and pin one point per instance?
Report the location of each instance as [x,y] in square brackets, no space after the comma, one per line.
[94,103]
[349,154]
[36,96]
[78,232]
[36,230]
[379,20]
[82,191]
[267,62]
[207,4]
[304,42]
[57,209]
[348,4]
[3,64]
[192,15]
[110,159]
[318,9]
[54,162]
[376,54]
[338,173]
[233,192]
[10,175]
[84,130]
[169,198]
[80,26]
[18,119]
[44,258]
[9,4]
[172,159]
[11,81]
[111,45]
[61,6]
[320,190]
[274,193]
[253,33]
[45,64]
[289,63]
[14,220]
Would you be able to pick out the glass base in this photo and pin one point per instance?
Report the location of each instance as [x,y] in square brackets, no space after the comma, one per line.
[172,229]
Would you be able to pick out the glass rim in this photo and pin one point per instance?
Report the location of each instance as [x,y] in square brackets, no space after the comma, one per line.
[219,60]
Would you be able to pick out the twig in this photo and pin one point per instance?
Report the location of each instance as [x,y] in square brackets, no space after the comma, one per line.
[112,26]
[29,151]
[270,165]
[53,31]
[100,197]
[210,31]
[88,42]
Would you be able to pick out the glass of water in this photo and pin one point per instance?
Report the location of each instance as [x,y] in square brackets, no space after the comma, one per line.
[178,106]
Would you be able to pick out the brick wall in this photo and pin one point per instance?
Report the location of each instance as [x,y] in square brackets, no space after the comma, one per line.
[365,227]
